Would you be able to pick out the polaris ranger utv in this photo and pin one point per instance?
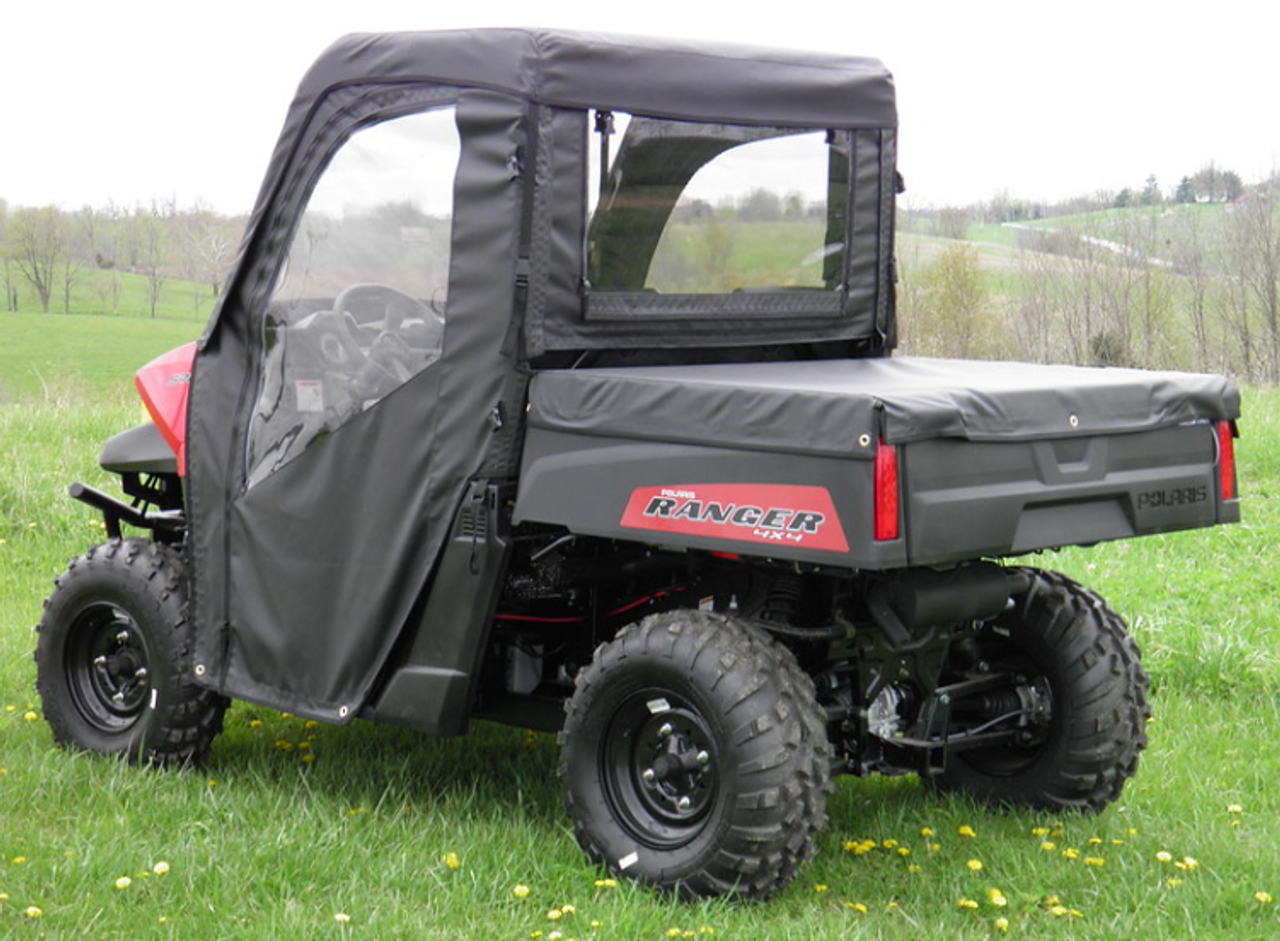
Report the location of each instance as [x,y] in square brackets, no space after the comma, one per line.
[553,386]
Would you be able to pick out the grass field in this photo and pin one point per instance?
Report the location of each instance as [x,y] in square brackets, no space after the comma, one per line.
[299,831]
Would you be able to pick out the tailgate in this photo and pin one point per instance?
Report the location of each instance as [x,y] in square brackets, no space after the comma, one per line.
[965,498]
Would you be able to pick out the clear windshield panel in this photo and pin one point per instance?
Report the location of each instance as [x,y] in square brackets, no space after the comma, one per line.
[686,208]
[360,305]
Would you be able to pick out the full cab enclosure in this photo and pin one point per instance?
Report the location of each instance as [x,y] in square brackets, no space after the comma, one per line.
[553,385]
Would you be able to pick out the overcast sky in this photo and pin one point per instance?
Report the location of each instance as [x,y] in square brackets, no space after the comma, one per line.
[183,100]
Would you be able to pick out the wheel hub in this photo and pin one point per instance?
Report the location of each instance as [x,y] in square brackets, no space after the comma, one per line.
[661,769]
[108,667]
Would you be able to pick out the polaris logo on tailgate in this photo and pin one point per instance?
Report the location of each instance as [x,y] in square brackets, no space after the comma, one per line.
[779,514]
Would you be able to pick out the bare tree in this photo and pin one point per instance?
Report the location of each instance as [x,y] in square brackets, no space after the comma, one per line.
[1255,235]
[38,239]
[147,243]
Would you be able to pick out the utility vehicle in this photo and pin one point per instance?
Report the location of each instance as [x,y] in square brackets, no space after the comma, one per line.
[553,386]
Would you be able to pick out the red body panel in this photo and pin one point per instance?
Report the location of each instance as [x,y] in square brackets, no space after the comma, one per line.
[164,384]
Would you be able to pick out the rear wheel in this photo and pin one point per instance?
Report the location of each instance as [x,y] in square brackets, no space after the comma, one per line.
[112,658]
[1080,694]
[695,758]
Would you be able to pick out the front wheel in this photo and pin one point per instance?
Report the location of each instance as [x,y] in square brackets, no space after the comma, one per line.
[695,758]
[1081,694]
[112,658]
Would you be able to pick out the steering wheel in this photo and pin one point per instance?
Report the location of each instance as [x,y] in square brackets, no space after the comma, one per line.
[382,306]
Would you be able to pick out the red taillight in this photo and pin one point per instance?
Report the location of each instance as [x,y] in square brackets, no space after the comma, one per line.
[1227,459]
[886,514]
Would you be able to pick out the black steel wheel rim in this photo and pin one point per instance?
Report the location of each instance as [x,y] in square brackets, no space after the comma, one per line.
[108,667]
[660,767]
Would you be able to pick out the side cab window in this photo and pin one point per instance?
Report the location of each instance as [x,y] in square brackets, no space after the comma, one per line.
[360,304]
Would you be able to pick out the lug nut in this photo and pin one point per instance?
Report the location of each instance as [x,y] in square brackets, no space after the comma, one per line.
[100,660]
[666,730]
[140,673]
[684,803]
[122,637]
[117,697]
[704,758]
[649,775]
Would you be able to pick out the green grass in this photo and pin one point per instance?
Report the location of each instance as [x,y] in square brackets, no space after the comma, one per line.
[49,355]
[261,843]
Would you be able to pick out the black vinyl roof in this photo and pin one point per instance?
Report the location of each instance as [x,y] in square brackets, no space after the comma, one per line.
[660,77]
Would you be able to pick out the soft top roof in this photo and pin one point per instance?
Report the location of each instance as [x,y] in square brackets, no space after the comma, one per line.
[660,77]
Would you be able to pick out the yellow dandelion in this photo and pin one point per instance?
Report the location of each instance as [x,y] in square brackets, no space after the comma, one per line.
[1002,924]
[856,907]
[10,708]
[996,897]
[1096,861]
[30,715]
[341,918]
[308,758]
[1164,856]
[819,888]
[1040,831]
[1234,809]
[974,865]
[32,912]
[935,847]
[1048,846]
[1173,882]
[1263,898]
[926,832]
[889,844]
[1188,864]
[521,891]
[568,909]
[674,932]
[451,860]
[1095,841]
[914,867]
[18,860]
[1071,853]
[967,830]
[967,903]
[1058,911]
[904,851]
[255,723]
[212,783]
[555,914]
[123,882]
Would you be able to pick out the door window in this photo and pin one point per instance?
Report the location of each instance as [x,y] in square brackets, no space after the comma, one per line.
[360,305]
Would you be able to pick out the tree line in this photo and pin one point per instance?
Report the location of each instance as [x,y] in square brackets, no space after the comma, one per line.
[1189,281]
[54,257]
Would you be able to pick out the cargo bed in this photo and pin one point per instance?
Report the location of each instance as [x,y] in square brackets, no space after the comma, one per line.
[993,458]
